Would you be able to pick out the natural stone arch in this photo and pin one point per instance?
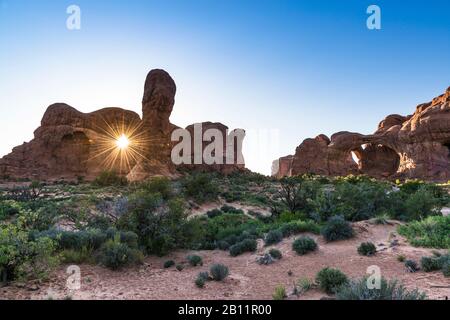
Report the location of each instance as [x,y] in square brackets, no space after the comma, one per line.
[379,160]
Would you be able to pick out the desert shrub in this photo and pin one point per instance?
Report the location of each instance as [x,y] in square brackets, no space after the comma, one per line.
[431,232]
[367,249]
[214,213]
[280,293]
[430,264]
[195,260]
[110,178]
[84,255]
[200,282]
[330,279]
[337,228]
[295,194]
[201,187]
[7,209]
[304,284]
[168,264]
[128,237]
[401,258]
[446,269]
[389,290]
[116,255]
[75,240]
[247,245]
[160,185]
[223,245]
[411,266]
[296,227]
[231,210]
[265,259]
[304,245]
[179,267]
[22,258]
[276,254]
[203,275]
[218,272]
[161,225]
[434,263]
[273,237]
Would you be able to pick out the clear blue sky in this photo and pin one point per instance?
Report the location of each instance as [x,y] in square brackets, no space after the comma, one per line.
[299,67]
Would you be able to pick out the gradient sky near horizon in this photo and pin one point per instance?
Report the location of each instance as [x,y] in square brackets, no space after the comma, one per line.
[299,68]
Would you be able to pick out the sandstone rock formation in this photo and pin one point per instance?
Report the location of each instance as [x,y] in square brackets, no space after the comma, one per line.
[416,146]
[70,144]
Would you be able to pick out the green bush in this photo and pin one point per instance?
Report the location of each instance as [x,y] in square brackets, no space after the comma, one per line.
[160,185]
[389,290]
[168,264]
[304,245]
[367,249]
[116,255]
[75,240]
[247,245]
[195,260]
[276,254]
[84,255]
[110,178]
[273,237]
[200,282]
[296,227]
[430,264]
[280,293]
[446,269]
[337,229]
[431,232]
[218,272]
[214,213]
[231,210]
[161,225]
[179,267]
[329,280]
[411,266]
[22,258]
[434,263]
[201,187]
[7,209]
[203,275]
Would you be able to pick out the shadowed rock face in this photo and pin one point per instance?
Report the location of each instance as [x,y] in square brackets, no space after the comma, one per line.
[416,146]
[71,144]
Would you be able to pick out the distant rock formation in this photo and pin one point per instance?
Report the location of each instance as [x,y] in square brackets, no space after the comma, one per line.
[70,144]
[416,146]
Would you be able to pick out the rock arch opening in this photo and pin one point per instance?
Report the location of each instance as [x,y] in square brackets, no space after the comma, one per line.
[379,160]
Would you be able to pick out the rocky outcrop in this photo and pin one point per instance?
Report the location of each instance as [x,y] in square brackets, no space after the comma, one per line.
[415,146]
[71,144]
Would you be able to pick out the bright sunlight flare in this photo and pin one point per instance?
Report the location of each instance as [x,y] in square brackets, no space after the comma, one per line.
[122,142]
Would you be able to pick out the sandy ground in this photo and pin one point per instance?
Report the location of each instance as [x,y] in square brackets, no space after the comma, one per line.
[247,280]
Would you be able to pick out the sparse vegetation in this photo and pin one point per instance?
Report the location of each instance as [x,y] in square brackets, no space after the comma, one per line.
[389,290]
[113,223]
[431,232]
[110,178]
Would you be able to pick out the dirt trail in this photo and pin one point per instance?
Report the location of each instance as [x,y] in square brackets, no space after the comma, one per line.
[247,279]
